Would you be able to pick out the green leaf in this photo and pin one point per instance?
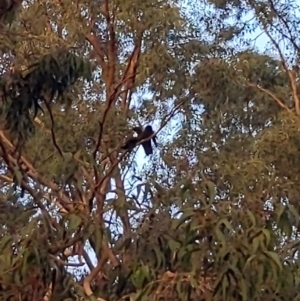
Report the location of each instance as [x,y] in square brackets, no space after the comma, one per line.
[225,285]
[188,214]
[211,190]
[17,175]
[160,259]
[145,271]
[294,213]
[279,210]
[252,219]
[74,222]
[243,287]
[5,242]
[173,244]
[139,276]
[255,244]
[249,260]
[225,222]
[17,278]
[274,256]
[267,236]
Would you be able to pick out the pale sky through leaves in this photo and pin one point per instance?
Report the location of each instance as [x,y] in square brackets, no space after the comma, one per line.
[260,41]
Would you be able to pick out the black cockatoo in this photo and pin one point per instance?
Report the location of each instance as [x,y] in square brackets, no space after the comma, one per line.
[142,134]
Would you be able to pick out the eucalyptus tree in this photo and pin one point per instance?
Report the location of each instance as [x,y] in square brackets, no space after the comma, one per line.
[211,214]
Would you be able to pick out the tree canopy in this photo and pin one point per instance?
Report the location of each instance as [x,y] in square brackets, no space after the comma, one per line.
[212,214]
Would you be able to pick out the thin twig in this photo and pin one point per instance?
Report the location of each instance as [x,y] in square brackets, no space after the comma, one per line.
[281,104]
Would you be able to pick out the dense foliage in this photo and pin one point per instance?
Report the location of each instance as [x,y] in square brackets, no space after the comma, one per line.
[213,214]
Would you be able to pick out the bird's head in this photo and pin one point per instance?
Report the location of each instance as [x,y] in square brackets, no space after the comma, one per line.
[137,129]
[148,129]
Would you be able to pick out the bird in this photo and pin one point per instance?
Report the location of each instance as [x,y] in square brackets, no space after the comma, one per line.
[132,142]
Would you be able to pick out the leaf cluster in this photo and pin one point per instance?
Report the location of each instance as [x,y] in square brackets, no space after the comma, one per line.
[24,90]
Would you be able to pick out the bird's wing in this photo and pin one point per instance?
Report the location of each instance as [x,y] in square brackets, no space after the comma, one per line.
[147,147]
[130,143]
